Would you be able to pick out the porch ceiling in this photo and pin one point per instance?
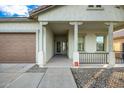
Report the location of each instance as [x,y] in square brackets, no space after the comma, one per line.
[59,27]
[63,27]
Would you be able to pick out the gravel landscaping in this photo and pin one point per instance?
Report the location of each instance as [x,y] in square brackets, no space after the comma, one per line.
[98,77]
[36,69]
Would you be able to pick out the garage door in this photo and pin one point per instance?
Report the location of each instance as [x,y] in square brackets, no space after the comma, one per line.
[17,48]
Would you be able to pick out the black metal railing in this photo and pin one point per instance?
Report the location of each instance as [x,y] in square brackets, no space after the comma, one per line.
[93,58]
[119,57]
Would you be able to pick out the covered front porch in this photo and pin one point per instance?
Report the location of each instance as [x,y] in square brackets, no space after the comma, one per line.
[67,42]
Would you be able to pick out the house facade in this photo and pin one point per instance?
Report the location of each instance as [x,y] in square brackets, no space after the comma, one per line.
[80,32]
[119,40]
[119,45]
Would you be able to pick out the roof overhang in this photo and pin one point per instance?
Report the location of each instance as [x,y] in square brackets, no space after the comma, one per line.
[34,13]
[16,19]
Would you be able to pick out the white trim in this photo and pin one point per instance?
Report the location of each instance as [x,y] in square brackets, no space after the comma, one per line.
[110,23]
[37,45]
[111,57]
[43,23]
[44,44]
[75,23]
[99,65]
[41,44]
[17,31]
[119,65]
[76,28]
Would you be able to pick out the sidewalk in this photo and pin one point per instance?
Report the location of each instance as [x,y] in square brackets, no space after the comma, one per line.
[42,78]
[58,78]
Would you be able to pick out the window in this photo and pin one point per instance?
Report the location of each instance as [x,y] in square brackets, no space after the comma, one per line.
[100,43]
[81,43]
[95,7]
[90,5]
[98,6]
[117,6]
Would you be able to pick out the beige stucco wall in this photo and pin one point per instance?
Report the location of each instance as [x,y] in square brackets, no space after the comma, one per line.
[118,47]
[90,41]
[81,13]
[118,44]
[49,44]
[19,27]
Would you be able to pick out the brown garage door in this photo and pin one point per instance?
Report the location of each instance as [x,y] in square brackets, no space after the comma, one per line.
[17,48]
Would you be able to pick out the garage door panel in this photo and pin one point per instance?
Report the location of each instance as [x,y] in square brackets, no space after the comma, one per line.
[17,47]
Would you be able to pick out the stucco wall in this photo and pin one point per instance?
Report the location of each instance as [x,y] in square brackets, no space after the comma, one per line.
[19,27]
[118,44]
[90,41]
[81,13]
[49,44]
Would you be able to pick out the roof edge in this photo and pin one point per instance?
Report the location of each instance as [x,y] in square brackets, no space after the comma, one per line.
[34,13]
[16,19]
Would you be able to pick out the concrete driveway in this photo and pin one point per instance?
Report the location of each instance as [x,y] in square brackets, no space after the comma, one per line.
[31,76]
[10,72]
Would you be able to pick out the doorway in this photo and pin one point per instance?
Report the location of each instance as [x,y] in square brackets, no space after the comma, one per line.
[60,45]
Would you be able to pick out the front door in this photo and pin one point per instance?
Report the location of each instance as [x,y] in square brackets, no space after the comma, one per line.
[61,47]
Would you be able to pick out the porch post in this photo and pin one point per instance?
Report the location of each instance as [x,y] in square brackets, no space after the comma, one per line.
[40,45]
[75,51]
[44,44]
[111,57]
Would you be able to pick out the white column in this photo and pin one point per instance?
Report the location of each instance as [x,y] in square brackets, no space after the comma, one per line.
[41,60]
[70,43]
[75,52]
[44,44]
[111,57]
[75,37]
[37,45]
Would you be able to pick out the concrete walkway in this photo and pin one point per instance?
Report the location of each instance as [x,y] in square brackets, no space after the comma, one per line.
[59,61]
[58,78]
[26,80]
[17,76]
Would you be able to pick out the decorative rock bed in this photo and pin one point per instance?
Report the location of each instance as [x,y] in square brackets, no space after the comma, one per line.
[36,69]
[98,77]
